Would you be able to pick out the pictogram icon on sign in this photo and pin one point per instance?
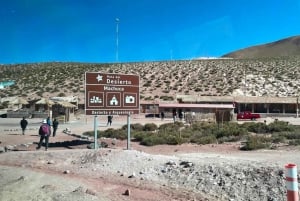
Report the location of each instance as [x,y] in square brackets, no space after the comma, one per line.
[114,101]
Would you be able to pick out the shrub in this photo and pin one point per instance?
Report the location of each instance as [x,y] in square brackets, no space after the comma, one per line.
[173,140]
[139,136]
[112,133]
[278,126]
[134,127]
[228,139]
[109,133]
[152,140]
[294,142]
[255,142]
[166,98]
[209,139]
[291,135]
[150,127]
[91,133]
[230,129]
[203,126]
[171,126]
[61,94]
[256,127]
[278,139]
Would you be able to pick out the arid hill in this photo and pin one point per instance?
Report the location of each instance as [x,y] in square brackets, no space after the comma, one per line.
[162,80]
[281,48]
[272,69]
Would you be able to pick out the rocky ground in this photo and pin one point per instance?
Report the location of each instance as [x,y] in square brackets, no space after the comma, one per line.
[69,171]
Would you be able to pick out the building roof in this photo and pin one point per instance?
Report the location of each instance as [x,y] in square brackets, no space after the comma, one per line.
[196,98]
[265,99]
[237,99]
[182,105]
[65,104]
[44,101]
[14,100]
[66,98]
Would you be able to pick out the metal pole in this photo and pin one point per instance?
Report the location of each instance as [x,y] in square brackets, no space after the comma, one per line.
[117,39]
[95,133]
[297,109]
[245,92]
[128,131]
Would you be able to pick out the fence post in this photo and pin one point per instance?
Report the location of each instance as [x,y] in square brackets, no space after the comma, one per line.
[291,182]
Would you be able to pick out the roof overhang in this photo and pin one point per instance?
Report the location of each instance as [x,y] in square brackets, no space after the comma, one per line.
[210,106]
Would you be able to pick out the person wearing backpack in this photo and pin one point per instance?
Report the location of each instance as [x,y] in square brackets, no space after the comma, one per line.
[44,132]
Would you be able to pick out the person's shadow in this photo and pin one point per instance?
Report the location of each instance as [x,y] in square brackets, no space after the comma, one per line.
[67,144]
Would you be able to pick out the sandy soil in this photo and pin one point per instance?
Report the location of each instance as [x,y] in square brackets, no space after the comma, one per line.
[69,171]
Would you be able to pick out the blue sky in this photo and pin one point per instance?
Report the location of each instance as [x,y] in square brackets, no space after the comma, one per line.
[148,30]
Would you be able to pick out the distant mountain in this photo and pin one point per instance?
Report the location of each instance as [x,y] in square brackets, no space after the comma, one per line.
[281,48]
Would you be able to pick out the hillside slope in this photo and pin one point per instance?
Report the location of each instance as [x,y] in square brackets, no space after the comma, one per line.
[161,80]
[281,48]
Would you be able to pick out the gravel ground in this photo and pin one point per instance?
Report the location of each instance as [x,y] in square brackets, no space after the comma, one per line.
[203,176]
[186,172]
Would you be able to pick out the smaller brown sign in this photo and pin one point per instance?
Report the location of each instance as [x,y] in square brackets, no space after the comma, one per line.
[111,94]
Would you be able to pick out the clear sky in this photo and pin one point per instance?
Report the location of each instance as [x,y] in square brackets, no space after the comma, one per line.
[148,30]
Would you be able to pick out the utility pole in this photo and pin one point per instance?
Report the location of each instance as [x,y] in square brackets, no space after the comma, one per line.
[245,89]
[117,39]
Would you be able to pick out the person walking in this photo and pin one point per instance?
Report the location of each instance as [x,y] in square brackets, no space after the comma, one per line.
[109,120]
[174,115]
[23,124]
[162,116]
[44,132]
[55,126]
[49,121]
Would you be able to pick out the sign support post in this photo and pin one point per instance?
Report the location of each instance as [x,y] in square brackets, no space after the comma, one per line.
[95,133]
[128,132]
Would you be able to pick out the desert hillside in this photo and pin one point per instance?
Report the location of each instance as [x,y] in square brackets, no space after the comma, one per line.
[281,48]
[161,80]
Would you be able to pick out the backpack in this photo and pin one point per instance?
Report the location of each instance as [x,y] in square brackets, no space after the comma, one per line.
[44,129]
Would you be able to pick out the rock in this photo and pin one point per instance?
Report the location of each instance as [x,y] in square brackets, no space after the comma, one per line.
[186,164]
[49,187]
[22,178]
[79,189]
[90,192]
[67,172]
[2,149]
[92,146]
[51,162]
[132,176]
[67,131]
[9,147]
[173,163]
[127,192]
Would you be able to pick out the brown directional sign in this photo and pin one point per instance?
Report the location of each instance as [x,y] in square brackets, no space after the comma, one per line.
[111,94]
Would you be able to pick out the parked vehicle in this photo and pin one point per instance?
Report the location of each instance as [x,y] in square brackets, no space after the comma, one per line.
[247,115]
